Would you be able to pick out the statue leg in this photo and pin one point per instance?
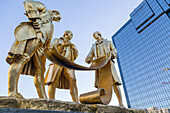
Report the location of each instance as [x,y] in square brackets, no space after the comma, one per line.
[118,94]
[13,76]
[51,91]
[17,66]
[35,50]
[73,90]
[39,83]
[52,86]
[73,86]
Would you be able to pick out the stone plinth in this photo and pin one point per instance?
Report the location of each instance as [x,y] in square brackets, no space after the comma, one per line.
[55,105]
[16,110]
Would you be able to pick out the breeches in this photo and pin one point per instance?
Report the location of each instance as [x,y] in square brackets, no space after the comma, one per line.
[33,58]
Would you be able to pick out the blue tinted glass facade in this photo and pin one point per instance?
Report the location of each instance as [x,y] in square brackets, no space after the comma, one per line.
[143,45]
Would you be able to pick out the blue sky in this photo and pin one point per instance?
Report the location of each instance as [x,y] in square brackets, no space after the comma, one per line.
[82,17]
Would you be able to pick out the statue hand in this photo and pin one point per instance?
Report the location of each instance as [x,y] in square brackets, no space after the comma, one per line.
[64,44]
[67,44]
[88,60]
[36,24]
[114,55]
[9,59]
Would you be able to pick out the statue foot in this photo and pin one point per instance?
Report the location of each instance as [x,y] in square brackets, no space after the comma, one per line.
[122,105]
[76,102]
[17,95]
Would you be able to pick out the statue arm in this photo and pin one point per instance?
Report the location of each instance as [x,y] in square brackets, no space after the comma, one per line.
[113,50]
[49,42]
[89,57]
[57,43]
[75,52]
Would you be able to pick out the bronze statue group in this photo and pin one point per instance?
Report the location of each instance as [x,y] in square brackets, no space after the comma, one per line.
[26,56]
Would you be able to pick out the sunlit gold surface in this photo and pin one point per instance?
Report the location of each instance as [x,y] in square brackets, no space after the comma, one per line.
[26,54]
[105,80]
[53,55]
[103,62]
[58,76]
[92,97]
[105,77]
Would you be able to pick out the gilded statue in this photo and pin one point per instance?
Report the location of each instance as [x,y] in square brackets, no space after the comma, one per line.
[26,55]
[101,58]
[98,50]
[61,77]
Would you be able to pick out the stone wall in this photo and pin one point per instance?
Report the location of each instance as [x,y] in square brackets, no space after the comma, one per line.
[6,103]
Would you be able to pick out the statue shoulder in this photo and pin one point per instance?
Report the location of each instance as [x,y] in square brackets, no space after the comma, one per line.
[21,31]
[74,46]
[55,40]
[93,47]
[107,41]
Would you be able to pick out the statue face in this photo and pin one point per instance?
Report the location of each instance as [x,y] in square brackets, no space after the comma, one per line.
[56,15]
[68,35]
[96,36]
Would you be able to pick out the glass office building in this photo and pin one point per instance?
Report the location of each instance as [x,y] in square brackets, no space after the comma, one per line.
[143,45]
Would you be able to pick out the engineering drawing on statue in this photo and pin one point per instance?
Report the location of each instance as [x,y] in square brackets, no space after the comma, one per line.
[26,54]
[32,46]
[58,76]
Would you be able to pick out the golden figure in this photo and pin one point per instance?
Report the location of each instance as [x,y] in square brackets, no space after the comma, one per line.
[99,50]
[26,54]
[104,74]
[60,77]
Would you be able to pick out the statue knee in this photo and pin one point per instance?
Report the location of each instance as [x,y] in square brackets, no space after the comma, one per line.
[17,66]
[39,73]
[14,69]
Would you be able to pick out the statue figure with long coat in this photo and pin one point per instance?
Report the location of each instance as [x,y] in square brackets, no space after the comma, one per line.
[26,54]
[61,77]
[98,50]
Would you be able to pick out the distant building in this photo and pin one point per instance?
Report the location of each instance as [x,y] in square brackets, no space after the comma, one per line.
[143,45]
[156,110]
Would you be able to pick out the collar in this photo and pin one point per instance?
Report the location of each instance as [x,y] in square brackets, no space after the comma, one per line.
[65,40]
[62,38]
[99,41]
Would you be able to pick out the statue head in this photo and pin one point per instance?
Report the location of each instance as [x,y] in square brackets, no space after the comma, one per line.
[97,35]
[68,35]
[56,15]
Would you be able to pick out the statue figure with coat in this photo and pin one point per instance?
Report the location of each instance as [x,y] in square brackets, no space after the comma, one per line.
[98,50]
[61,77]
[26,55]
